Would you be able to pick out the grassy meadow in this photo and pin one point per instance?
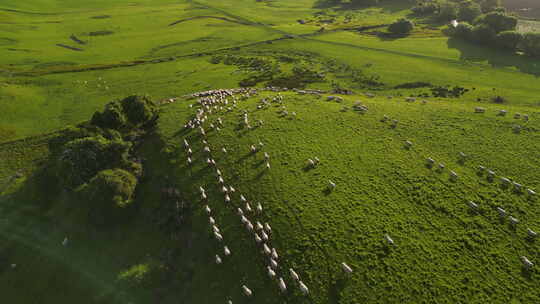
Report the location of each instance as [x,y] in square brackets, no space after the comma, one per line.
[61,60]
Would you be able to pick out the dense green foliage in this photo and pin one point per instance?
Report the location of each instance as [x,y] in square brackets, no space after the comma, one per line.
[83,158]
[130,112]
[402,26]
[531,44]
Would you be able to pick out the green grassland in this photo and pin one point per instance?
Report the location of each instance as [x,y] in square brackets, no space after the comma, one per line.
[444,253]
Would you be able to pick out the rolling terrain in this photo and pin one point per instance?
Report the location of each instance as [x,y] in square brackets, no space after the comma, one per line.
[61,60]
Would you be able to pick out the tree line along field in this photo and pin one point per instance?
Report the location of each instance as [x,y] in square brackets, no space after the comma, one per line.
[60,61]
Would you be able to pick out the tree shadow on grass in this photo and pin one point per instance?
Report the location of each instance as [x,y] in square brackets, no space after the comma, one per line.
[495,58]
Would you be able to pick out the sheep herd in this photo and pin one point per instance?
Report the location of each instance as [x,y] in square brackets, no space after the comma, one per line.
[250,213]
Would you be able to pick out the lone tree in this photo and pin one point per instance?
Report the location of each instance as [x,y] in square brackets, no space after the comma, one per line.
[402,26]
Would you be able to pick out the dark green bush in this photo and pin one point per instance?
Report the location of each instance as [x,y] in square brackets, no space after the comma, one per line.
[130,112]
[82,158]
[112,117]
[111,189]
[482,33]
[402,26]
[448,10]
[497,21]
[464,31]
[531,44]
[468,11]
[508,39]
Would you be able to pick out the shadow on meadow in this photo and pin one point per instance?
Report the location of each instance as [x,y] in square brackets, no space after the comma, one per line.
[495,58]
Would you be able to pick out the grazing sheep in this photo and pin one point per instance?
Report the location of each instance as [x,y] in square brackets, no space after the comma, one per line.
[490,175]
[430,162]
[275,255]
[243,219]
[249,226]
[310,163]
[453,176]
[267,228]
[303,288]
[259,226]
[294,275]
[211,220]
[385,118]
[441,167]
[242,198]
[501,211]
[514,221]
[227,198]
[473,205]
[186,144]
[282,285]
[267,250]
[271,272]
[525,117]
[203,196]
[502,112]
[257,238]
[517,187]
[395,123]
[517,116]
[388,239]
[189,161]
[189,151]
[346,268]
[267,165]
[215,228]
[218,236]
[201,189]
[317,160]
[253,149]
[246,291]
[531,233]
[207,209]
[331,185]
[505,181]
[207,149]
[479,110]
[259,208]
[526,263]
[224,150]
[266,156]
[231,189]
[408,144]
[224,189]
[273,263]
[517,129]
[240,211]
[226,251]
[248,207]
[229,302]
[218,259]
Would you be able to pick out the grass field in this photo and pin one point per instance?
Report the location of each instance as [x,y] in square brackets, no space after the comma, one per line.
[61,60]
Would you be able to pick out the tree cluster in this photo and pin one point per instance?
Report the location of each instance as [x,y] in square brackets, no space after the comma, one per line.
[97,161]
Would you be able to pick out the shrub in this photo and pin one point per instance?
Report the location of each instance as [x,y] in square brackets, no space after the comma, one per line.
[425,7]
[531,44]
[402,26]
[483,34]
[112,117]
[469,11]
[497,21]
[508,39]
[111,189]
[448,11]
[489,5]
[82,158]
[139,110]
[130,112]
[464,31]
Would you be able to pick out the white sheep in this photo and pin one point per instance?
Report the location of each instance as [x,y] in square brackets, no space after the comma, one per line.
[271,272]
[267,228]
[216,229]
[189,161]
[310,162]
[231,189]
[388,239]
[501,211]
[201,189]
[243,219]
[240,212]
[266,250]
[259,208]
[282,285]
[253,149]
[294,275]
[224,150]
[227,198]
[218,259]
[303,288]
[226,251]
[267,165]
[207,209]
[266,155]
[259,226]
[346,268]
[331,185]
[275,255]
[273,263]
[246,291]
[242,198]
[248,207]
[249,226]
[218,172]
[203,196]
[257,238]
[531,233]
[513,220]
[473,205]
[220,180]
[218,236]
[526,262]
[211,220]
